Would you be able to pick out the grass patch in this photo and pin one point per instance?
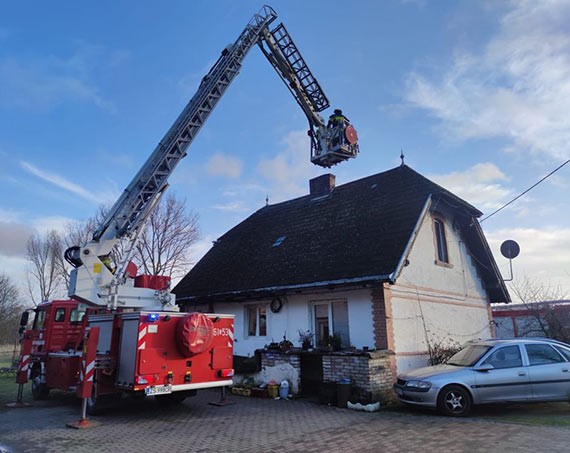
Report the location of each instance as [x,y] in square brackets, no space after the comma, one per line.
[8,389]
[544,414]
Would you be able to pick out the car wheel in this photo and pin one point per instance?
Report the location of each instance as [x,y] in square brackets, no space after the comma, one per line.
[454,401]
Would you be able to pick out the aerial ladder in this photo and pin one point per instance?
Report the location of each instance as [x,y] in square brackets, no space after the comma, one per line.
[123,332]
[94,283]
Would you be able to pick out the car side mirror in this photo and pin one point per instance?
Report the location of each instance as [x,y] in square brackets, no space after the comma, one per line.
[24,319]
[484,367]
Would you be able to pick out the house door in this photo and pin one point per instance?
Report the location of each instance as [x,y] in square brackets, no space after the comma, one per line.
[311,373]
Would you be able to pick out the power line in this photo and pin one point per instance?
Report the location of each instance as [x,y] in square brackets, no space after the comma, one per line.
[526,191]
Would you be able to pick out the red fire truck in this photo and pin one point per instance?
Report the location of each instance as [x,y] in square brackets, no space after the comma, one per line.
[166,354]
[123,332]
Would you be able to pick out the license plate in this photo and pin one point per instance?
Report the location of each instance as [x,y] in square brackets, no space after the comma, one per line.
[158,390]
[399,391]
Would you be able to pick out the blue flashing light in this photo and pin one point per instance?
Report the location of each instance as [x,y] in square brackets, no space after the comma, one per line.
[153,317]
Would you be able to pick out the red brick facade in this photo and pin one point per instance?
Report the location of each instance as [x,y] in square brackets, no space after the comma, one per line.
[379,319]
[382,318]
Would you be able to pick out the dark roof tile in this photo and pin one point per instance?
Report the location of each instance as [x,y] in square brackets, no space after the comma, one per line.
[360,230]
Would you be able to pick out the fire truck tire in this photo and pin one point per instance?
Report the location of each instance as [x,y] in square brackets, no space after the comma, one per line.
[40,391]
[99,403]
[194,334]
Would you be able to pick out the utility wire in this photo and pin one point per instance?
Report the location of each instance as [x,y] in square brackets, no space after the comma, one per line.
[526,191]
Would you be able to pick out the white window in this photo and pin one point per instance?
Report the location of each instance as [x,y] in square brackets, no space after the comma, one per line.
[328,319]
[440,240]
[256,320]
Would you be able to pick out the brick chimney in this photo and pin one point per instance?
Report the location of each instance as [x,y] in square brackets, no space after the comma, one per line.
[322,185]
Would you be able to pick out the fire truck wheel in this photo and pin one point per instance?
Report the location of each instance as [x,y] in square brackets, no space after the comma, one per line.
[97,403]
[171,398]
[94,401]
[40,391]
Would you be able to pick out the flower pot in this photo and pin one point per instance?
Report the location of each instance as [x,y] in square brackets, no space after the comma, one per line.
[241,391]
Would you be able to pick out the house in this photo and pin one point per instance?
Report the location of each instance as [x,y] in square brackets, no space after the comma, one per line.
[533,319]
[392,263]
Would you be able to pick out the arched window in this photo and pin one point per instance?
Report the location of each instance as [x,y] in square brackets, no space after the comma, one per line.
[441,243]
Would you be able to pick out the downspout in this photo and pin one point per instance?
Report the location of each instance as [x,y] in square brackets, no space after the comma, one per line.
[411,240]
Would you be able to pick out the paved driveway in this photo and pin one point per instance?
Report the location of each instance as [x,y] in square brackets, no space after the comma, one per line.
[261,425]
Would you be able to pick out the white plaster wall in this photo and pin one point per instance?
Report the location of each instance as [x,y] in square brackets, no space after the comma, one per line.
[434,303]
[296,315]
[422,271]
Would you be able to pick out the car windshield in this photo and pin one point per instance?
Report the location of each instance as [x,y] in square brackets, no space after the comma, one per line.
[469,355]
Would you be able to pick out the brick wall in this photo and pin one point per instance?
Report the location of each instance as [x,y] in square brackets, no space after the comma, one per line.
[279,366]
[379,319]
[277,359]
[369,371]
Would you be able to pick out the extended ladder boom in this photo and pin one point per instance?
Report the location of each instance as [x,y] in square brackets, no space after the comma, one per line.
[131,209]
[93,283]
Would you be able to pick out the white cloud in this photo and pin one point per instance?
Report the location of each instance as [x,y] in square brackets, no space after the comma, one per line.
[65,184]
[544,253]
[235,190]
[15,267]
[480,185]
[57,223]
[23,85]
[13,238]
[517,87]
[44,82]
[289,171]
[224,165]
[10,215]
[233,206]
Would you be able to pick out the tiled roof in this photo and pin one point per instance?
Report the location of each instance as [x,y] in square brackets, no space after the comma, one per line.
[357,233]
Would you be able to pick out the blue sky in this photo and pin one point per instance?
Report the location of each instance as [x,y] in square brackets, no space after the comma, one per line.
[475,93]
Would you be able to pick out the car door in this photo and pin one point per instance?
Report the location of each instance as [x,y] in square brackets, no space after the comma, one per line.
[507,380]
[549,372]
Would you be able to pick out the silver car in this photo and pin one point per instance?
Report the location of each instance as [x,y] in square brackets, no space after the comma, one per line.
[491,371]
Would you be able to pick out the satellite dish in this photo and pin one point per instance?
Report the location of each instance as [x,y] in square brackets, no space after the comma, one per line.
[510,249]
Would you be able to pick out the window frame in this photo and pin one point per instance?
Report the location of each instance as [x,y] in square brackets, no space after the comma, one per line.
[494,350]
[258,308]
[439,219]
[313,319]
[40,316]
[58,310]
[80,316]
[548,346]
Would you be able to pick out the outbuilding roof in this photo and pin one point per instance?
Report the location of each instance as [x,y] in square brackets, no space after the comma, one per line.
[357,233]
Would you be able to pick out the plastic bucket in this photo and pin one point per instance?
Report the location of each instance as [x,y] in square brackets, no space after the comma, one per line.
[273,390]
[284,389]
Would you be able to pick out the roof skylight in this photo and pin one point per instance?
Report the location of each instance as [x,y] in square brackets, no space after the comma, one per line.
[279,241]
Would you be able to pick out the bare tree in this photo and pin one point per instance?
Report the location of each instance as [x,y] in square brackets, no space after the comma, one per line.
[548,310]
[45,255]
[10,308]
[163,247]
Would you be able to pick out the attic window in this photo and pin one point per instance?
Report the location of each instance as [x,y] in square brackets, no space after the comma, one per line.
[279,241]
[441,243]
